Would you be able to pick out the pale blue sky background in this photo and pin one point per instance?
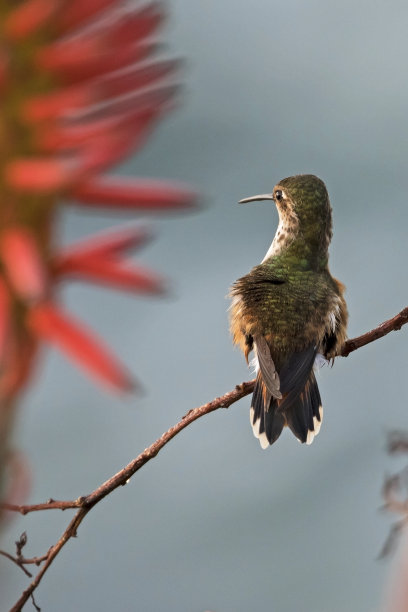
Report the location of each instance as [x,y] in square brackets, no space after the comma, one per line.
[273,88]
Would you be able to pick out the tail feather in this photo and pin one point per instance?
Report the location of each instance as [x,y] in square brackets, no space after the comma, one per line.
[304,416]
[267,422]
[302,413]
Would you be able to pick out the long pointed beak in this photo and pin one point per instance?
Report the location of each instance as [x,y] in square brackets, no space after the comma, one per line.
[257,198]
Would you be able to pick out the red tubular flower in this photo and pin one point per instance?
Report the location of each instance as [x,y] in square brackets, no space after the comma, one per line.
[89,52]
[127,80]
[23,264]
[81,88]
[49,323]
[5,320]
[76,12]
[98,261]
[105,244]
[138,194]
[113,273]
[28,17]
[85,90]
[42,175]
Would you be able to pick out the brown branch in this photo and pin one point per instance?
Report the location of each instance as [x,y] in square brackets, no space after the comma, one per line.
[121,477]
[85,504]
[382,330]
[16,561]
[224,401]
[51,504]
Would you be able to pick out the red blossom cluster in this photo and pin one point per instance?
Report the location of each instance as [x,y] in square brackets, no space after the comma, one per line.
[81,87]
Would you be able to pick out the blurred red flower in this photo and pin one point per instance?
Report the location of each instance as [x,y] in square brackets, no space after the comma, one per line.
[82,89]
[82,86]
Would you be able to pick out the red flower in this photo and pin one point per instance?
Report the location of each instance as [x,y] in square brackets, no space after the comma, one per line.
[51,324]
[98,260]
[81,89]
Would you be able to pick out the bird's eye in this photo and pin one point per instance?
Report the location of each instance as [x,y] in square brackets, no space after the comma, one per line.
[278,195]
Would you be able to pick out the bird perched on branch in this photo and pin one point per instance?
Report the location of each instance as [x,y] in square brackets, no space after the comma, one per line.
[288,310]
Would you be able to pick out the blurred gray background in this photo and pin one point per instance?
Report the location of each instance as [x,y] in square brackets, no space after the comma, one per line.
[273,88]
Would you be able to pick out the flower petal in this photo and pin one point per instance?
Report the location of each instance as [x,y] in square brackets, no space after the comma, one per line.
[76,134]
[90,53]
[113,273]
[151,195]
[63,102]
[78,11]
[145,103]
[111,148]
[105,244]
[23,263]
[76,66]
[28,17]
[136,76]
[5,318]
[41,175]
[57,103]
[49,323]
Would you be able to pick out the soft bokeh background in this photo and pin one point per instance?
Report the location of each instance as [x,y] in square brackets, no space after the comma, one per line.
[274,88]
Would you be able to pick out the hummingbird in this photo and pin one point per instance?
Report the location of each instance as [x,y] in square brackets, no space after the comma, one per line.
[290,311]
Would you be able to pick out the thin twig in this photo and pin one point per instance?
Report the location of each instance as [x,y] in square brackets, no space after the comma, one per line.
[86,503]
[16,561]
[393,491]
[34,603]
[51,504]
[20,560]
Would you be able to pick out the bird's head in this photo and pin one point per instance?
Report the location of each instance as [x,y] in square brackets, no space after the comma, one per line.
[302,201]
